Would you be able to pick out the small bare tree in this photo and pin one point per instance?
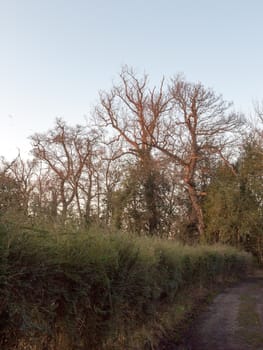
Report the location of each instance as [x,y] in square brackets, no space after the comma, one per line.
[23,172]
[258,107]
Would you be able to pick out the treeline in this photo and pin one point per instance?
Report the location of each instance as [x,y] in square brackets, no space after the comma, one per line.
[173,160]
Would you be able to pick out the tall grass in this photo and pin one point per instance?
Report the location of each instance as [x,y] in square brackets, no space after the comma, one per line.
[91,290]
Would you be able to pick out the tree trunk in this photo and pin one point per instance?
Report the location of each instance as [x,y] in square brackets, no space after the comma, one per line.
[151,203]
[197,209]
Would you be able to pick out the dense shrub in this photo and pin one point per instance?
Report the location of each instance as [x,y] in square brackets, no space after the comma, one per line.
[85,291]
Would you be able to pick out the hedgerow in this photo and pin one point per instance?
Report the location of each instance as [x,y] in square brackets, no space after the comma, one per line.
[92,290]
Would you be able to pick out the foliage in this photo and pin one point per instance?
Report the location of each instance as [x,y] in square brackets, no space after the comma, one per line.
[10,194]
[140,205]
[233,207]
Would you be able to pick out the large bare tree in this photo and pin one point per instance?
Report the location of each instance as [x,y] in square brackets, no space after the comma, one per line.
[133,110]
[199,128]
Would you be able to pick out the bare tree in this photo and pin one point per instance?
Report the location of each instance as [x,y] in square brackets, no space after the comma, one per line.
[198,129]
[132,110]
[110,172]
[258,107]
[23,172]
[67,152]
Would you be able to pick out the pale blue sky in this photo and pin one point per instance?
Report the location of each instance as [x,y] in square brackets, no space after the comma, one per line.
[56,54]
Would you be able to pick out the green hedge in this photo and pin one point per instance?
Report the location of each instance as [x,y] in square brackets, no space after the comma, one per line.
[86,291]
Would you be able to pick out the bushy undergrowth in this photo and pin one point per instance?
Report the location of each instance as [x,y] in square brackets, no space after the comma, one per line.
[90,290]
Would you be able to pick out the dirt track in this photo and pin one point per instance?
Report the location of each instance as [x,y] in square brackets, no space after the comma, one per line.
[234,321]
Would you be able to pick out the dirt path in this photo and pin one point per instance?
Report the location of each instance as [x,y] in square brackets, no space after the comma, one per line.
[234,321]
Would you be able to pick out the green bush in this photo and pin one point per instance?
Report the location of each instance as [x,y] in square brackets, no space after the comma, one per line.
[85,291]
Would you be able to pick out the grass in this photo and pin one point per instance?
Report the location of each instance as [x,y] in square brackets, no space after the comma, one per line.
[250,326]
[91,290]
